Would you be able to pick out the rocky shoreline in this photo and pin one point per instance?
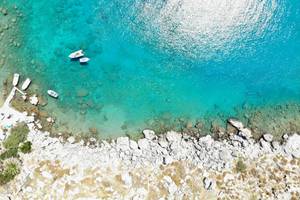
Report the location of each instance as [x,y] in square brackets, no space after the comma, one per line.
[167,166]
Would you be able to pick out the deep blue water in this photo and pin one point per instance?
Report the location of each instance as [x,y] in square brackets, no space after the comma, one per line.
[188,58]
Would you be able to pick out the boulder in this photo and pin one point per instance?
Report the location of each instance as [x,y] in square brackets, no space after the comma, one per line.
[149,134]
[34,100]
[292,146]
[133,145]
[126,178]
[167,160]
[235,123]
[71,139]
[143,143]
[173,136]
[245,133]
[208,183]
[268,137]
[123,141]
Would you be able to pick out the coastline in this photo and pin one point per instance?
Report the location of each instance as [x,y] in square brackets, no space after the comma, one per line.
[171,165]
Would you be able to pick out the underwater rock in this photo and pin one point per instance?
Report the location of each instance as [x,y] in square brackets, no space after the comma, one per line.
[82,93]
[71,140]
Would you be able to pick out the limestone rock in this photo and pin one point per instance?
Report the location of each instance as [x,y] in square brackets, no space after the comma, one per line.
[143,143]
[34,100]
[173,136]
[71,139]
[246,133]
[268,137]
[149,134]
[208,183]
[123,141]
[235,123]
[292,146]
[133,144]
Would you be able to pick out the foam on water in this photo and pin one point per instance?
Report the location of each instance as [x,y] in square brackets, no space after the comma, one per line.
[185,58]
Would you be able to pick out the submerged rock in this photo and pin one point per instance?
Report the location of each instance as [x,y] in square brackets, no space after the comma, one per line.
[149,134]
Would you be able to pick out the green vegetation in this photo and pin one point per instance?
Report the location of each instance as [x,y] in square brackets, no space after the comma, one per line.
[10,153]
[18,134]
[9,173]
[9,166]
[26,147]
[240,166]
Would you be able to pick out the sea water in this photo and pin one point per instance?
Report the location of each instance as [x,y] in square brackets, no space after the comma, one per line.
[152,58]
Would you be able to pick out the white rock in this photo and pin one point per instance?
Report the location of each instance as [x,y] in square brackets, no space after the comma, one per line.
[163,143]
[235,123]
[292,146]
[143,143]
[246,133]
[126,178]
[50,120]
[34,100]
[123,141]
[2,135]
[71,139]
[285,136]
[167,160]
[149,134]
[173,136]
[208,183]
[133,145]
[268,137]
[47,175]
[275,145]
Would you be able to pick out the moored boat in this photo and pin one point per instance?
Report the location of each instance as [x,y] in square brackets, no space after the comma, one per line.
[84,60]
[16,79]
[53,94]
[76,54]
[26,84]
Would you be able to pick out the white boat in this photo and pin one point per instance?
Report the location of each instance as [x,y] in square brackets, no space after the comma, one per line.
[53,94]
[26,84]
[76,54]
[84,60]
[16,79]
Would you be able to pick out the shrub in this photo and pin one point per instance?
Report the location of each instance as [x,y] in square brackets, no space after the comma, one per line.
[9,153]
[240,166]
[9,173]
[26,147]
[18,134]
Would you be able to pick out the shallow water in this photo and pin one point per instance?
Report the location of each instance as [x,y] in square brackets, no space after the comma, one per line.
[186,58]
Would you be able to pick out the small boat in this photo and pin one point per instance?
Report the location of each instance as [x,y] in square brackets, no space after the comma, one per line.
[26,84]
[53,94]
[76,54]
[84,60]
[16,79]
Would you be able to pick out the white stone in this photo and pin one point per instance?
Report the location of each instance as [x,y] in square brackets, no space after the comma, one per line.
[34,100]
[149,134]
[292,146]
[246,133]
[167,160]
[237,124]
[71,139]
[208,183]
[50,120]
[126,178]
[143,143]
[133,144]
[285,136]
[268,137]
[123,141]
[47,175]
[173,136]
[163,143]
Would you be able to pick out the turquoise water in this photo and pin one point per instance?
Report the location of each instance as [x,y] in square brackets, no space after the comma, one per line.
[185,58]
